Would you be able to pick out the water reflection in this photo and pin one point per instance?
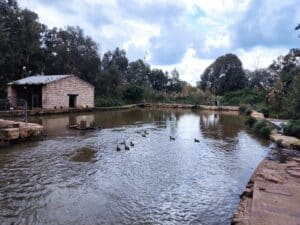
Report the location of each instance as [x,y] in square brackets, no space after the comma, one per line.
[76,177]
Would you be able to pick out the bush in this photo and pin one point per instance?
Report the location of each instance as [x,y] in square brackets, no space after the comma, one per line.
[245,109]
[265,132]
[264,110]
[250,121]
[262,128]
[242,108]
[245,96]
[108,102]
[248,111]
[133,94]
[292,128]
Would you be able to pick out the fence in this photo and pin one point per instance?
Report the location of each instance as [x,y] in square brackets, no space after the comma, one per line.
[13,104]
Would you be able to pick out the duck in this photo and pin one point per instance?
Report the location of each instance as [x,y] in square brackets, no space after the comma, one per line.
[196,140]
[143,135]
[146,132]
[118,148]
[131,144]
[172,138]
[122,143]
[126,147]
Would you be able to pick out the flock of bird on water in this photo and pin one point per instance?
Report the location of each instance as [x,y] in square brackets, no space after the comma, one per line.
[144,134]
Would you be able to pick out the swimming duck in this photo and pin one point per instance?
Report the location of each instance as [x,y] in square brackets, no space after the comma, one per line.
[118,148]
[196,140]
[172,138]
[126,147]
[131,144]
[143,135]
[122,143]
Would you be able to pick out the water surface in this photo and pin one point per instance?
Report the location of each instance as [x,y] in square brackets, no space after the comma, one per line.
[78,177]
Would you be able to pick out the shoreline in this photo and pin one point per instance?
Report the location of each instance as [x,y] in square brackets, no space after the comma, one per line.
[272,196]
[41,112]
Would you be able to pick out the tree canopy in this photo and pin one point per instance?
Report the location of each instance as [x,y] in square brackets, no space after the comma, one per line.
[224,74]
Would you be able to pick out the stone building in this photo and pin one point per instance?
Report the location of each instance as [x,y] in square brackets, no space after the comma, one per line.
[52,92]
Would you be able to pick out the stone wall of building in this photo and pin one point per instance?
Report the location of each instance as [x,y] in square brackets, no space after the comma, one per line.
[11,94]
[56,94]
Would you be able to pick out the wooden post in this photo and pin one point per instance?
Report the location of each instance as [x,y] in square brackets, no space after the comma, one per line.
[82,124]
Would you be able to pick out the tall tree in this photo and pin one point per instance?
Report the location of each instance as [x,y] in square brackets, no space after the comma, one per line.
[20,53]
[138,73]
[224,74]
[70,52]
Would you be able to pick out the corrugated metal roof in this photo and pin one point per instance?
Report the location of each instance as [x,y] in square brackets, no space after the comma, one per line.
[38,79]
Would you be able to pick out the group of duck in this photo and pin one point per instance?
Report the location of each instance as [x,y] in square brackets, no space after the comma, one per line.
[144,134]
[195,139]
[126,147]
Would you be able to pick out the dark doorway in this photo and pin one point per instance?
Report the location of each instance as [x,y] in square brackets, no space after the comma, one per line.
[72,101]
[31,93]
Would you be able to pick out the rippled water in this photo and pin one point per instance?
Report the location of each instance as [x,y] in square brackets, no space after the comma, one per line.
[76,177]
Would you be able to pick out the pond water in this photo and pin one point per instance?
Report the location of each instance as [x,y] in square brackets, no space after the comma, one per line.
[78,177]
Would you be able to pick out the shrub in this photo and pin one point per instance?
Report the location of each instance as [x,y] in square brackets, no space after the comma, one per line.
[264,110]
[292,128]
[248,111]
[250,121]
[262,128]
[265,132]
[245,96]
[243,108]
[133,94]
[108,102]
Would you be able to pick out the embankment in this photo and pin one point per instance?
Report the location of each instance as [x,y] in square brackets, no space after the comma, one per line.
[40,112]
[272,195]
[14,131]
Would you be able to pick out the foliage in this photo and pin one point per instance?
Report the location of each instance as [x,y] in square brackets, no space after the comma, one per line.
[250,121]
[223,75]
[69,51]
[20,52]
[292,128]
[108,102]
[261,79]
[133,94]
[264,109]
[262,128]
[245,96]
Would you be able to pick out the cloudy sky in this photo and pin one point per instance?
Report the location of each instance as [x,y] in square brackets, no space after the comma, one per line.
[183,34]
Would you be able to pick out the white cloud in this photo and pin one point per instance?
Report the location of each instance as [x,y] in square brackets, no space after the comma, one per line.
[259,57]
[190,67]
[186,34]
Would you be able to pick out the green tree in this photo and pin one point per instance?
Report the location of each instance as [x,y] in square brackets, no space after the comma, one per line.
[224,74]
[20,52]
[70,52]
[138,73]
[158,80]
[133,94]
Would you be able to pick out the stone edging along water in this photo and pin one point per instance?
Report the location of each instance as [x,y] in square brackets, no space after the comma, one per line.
[272,194]
[39,112]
